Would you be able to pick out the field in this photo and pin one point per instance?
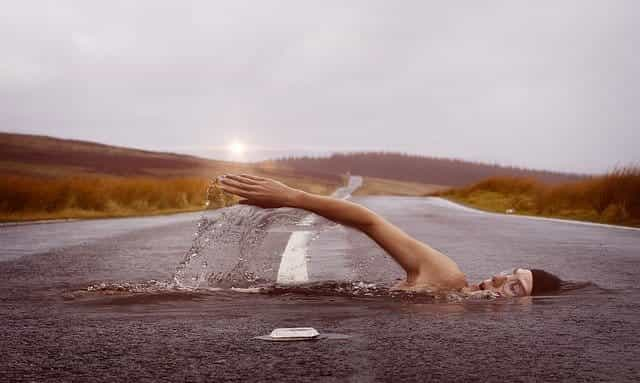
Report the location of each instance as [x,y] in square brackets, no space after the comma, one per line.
[612,198]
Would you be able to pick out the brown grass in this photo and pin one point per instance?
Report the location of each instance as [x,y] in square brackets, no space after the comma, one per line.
[31,198]
[611,198]
[24,197]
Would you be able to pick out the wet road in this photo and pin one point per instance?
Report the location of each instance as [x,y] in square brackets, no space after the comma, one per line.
[51,334]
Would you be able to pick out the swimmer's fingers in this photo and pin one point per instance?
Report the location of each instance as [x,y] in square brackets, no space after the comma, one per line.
[252,177]
[237,183]
[245,179]
[235,190]
[268,193]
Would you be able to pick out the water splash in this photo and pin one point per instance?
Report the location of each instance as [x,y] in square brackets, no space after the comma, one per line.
[235,234]
[154,290]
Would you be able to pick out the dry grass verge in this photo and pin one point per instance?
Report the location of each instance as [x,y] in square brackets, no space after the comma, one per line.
[612,198]
[29,198]
[25,198]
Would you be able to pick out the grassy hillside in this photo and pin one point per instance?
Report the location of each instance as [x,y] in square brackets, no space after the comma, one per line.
[612,198]
[44,177]
[50,157]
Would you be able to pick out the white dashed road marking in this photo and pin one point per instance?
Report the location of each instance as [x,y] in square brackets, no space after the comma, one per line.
[293,265]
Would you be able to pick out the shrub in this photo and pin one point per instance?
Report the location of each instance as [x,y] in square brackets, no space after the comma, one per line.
[613,197]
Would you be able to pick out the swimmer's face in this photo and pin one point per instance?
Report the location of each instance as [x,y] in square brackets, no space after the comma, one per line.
[515,284]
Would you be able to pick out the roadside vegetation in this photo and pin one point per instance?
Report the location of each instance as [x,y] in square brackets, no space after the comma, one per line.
[612,198]
[26,198]
[29,198]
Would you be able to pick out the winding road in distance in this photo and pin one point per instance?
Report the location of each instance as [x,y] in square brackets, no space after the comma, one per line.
[48,335]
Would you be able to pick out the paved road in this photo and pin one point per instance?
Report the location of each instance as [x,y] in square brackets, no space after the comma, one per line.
[50,333]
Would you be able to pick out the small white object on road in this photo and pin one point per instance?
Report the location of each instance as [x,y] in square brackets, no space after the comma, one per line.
[291,334]
[295,332]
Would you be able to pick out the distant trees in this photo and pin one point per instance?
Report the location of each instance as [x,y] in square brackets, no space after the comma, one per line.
[405,167]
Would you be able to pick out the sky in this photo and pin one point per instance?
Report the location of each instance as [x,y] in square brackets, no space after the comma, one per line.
[541,84]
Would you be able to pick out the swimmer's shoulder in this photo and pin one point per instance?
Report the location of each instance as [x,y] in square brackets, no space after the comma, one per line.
[432,286]
[449,280]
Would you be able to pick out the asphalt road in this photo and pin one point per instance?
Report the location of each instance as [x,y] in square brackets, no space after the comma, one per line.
[54,330]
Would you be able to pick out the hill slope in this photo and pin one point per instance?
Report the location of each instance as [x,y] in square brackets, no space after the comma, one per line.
[43,156]
[44,178]
[48,156]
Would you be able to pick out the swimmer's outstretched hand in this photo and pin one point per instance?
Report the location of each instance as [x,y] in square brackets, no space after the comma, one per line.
[259,191]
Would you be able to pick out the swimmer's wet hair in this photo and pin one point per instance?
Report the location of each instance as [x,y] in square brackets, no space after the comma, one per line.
[544,282]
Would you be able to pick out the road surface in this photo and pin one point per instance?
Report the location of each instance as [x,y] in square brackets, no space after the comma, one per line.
[52,333]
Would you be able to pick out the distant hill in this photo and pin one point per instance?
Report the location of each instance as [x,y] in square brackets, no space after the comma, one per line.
[48,156]
[44,156]
[413,168]
[50,178]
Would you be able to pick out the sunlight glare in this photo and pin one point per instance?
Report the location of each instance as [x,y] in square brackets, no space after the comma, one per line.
[237,147]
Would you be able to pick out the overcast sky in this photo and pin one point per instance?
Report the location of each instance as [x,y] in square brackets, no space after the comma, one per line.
[544,84]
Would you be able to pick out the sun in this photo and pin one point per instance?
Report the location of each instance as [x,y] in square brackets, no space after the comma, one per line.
[237,147]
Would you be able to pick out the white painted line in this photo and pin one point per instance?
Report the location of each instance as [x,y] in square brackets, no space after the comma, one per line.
[445,202]
[293,264]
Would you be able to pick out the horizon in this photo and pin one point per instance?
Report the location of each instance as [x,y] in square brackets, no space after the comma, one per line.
[516,84]
[226,155]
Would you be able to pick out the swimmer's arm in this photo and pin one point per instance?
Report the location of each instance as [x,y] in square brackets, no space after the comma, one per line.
[411,254]
[404,249]
[420,261]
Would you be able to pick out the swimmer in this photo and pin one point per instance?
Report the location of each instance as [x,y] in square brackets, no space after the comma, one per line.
[426,267]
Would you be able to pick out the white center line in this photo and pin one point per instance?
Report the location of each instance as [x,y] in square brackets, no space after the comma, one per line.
[293,264]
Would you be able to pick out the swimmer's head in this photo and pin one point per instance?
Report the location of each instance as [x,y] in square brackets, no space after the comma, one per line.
[545,282]
[522,282]
[517,283]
